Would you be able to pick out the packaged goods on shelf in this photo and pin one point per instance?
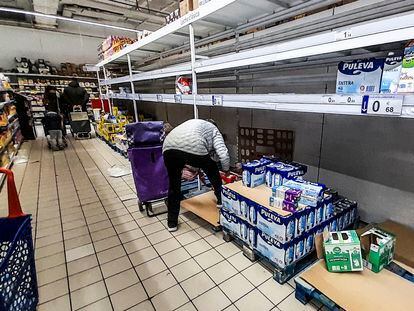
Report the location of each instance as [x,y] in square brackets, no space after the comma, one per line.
[254,173]
[185,7]
[391,74]
[114,44]
[359,76]
[342,251]
[378,249]
[406,84]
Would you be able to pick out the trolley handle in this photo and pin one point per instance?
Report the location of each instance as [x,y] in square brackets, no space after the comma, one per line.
[15,209]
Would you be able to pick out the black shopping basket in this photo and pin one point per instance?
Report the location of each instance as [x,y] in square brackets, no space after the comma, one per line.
[18,284]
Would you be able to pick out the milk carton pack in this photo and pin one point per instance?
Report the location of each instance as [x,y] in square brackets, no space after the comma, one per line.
[310,218]
[406,84]
[282,254]
[300,246]
[301,221]
[248,210]
[286,193]
[235,225]
[359,76]
[230,200]
[307,188]
[391,74]
[283,204]
[254,173]
[310,241]
[328,206]
[319,213]
[280,228]
[278,172]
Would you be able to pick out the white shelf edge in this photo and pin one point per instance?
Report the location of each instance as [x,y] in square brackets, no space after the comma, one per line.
[193,16]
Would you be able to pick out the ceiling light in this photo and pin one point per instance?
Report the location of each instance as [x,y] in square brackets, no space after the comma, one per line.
[11,10]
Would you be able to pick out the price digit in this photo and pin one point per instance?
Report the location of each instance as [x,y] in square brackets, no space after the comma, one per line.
[376,106]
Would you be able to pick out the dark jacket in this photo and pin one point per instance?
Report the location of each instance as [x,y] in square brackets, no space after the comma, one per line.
[75,95]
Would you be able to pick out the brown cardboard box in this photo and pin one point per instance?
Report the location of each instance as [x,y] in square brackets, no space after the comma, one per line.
[195,4]
[185,7]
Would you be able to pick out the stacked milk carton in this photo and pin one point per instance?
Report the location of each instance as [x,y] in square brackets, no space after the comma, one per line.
[280,221]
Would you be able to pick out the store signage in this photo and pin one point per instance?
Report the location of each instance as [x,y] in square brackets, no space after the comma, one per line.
[217,100]
[389,105]
[178,98]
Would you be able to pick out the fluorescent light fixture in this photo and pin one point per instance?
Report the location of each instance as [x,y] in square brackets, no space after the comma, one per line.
[11,10]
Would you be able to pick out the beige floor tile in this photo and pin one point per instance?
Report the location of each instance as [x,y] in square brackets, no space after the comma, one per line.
[152,228]
[167,246]
[118,213]
[50,262]
[185,270]
[88,295]
[150,268]
[66,218]
[213,300]
[274,291]
[143,306]
[102,234]
[77,242]
[215,239]
[121,281]
[170,299]
[125,227]
[100,305]
[257,274]
[51,275]
[47,224]
[240,262]
[111,254]
[187,307]
[182,228]
[197,247]
[143,255]
[175,257]
[254,300]
[97,226]
[105,244]
[85,278]
[197,285]
[74,233]
[221,272]
[159,236]
[74,224]
[236,287]
[128,297]
[187,216]
[49,250]
[131,235]
[159,282]
[82,264]
[41,242]
[292,304]
[116,266]
[188,237]
[49,231]
[79,252]
[209,258]
[96,218]
[121,219]
[231,308]
[53,290]
[61,304]
[228,249]
[137,245]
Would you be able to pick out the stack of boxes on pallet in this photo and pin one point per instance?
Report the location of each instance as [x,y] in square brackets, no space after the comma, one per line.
[277,213]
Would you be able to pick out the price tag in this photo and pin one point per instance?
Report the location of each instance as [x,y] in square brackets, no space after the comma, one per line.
[159,98]
[138,96]
[178,98]
[389,105]
[217,100]
[329,99]
[343,35]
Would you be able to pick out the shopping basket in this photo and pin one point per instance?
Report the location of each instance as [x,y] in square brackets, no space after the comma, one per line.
[18,283]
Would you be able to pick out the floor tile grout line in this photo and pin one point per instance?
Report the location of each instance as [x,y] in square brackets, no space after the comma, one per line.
[150,298]
[38,195]
[81,163]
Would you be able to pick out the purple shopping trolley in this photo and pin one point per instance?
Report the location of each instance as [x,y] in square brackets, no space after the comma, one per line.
[150,176]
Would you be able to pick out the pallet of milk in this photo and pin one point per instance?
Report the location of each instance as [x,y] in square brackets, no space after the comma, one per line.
[406,84]
[391,74]
[359,76]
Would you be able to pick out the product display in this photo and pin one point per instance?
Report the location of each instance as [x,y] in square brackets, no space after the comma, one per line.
[114,44]
[406,84]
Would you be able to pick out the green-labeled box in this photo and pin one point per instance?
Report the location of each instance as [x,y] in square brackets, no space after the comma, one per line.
[378,249]
[342,251]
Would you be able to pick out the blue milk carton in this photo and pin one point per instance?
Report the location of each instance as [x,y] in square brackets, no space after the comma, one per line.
[280,226]
[230,200]
[248,210]
[277,173]
[359,76]
[310,223]
[301,219]
[300,247]
[319,213]
[234,224]
[391,74]
[310,241]
[254,173]
[329,206]
[281,254]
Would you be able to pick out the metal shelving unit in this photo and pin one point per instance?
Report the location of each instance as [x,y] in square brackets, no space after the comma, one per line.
[391,29]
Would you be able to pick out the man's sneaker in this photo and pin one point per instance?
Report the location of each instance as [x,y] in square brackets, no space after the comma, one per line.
[172,228]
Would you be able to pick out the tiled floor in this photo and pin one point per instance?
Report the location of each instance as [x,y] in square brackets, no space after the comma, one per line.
[96,251]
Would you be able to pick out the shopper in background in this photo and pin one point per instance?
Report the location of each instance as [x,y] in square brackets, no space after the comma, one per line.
[52,121]
[75,95]
[197,143]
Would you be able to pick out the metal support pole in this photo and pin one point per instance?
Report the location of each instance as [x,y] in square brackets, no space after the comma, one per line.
[107,90]
[100,90]
[194,75]
[132,88]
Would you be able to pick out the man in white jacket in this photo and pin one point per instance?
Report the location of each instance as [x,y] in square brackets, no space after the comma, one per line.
[197,143]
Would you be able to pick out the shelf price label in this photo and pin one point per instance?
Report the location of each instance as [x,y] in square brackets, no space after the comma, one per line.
[159,98]
[388,105]
[343,35]
[178,98]
[217,100]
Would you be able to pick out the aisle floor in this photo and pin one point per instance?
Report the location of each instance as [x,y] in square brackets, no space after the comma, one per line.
[96,251]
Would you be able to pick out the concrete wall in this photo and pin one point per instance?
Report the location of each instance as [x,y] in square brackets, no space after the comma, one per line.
[370,160]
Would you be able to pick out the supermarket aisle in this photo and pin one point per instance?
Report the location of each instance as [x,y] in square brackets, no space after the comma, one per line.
[96,251]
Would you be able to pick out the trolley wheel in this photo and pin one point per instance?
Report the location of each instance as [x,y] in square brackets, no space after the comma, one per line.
[227,237]
[141,206]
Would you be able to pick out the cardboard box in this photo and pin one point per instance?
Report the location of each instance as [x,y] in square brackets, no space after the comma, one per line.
[195,4]
[359,76]
[342,251]
[185,7]
[378,249]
